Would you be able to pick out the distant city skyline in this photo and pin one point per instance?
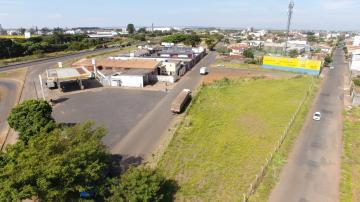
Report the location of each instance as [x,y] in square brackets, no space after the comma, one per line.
[267,14]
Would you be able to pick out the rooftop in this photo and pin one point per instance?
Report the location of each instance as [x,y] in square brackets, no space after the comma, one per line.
[126,64]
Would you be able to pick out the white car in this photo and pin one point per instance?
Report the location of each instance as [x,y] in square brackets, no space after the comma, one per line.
[332,67]
[204,70]
[317,116]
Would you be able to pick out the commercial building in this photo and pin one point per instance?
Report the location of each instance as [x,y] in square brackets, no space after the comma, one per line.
[127,73]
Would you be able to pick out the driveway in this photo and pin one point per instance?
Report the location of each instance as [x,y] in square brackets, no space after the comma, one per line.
[146,136]
[118,110]
[312,173]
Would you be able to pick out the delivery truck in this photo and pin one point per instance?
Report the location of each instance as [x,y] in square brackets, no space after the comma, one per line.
[180,102]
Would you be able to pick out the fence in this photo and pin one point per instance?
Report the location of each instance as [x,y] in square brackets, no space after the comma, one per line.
[259,177]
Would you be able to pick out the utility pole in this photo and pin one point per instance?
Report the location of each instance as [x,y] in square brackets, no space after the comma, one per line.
[152,27]
[290,13]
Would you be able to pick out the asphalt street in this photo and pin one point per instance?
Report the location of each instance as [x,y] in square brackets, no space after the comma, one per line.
[312,173]
[116,109]
[8,97]
[145,137]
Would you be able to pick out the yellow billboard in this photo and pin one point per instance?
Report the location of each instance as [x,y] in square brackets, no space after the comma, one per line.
[292,63]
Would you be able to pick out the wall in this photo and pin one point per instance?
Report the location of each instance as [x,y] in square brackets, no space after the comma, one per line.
[128,81]
[312,67]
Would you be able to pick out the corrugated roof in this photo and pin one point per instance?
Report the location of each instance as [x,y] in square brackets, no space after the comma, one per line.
[130,64]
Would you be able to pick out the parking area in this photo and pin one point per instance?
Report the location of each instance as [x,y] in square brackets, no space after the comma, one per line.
[118,110]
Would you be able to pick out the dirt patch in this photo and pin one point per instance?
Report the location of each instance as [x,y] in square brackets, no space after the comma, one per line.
[217,74]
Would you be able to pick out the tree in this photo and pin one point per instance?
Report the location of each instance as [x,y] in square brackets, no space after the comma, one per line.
[138,185]
[142,30]
[192,40]
[130,28]
[210,43]
[223,50]
[328,59]
[31,118]
[56,166]
[249,53]
[22,31]
[293,53]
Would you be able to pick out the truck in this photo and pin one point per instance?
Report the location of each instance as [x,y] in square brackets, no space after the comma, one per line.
[180,102]
[203,70]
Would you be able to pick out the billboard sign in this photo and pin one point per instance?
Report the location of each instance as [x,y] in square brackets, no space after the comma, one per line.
[306,66]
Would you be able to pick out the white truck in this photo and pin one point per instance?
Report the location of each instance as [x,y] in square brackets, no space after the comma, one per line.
[204,70]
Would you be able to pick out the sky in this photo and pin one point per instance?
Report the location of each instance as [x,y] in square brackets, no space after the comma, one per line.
[270,14]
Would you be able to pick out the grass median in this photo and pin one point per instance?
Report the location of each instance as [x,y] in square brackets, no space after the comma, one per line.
[350,168]
[229,132]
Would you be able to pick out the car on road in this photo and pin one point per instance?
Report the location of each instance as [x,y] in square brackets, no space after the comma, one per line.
[181,101]
[204,70]
[317,116]
[332,67]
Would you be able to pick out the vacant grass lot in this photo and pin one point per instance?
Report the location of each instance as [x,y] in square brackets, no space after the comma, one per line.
[229,132]
[350,177]
[235,64]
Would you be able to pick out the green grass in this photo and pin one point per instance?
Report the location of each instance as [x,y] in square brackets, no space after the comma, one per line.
[236,64]
[350,167]
[230,130]
[273,173]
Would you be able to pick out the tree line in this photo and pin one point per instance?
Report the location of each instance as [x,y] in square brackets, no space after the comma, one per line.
[61,162]
[10,48]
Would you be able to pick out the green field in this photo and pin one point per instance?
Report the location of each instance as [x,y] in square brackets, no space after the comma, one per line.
[235,64]
[350,168]
[230,130]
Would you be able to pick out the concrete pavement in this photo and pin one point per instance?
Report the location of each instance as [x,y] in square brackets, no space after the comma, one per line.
[143,139]
[312,173]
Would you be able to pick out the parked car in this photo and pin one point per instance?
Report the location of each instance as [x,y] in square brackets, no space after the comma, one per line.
[317,116]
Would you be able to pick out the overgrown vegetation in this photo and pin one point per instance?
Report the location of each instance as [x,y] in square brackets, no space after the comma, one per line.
[10,48]
[229,132]
[187,39]
[58,162]
[350,167]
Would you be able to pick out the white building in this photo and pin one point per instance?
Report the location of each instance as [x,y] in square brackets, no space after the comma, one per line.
[27,35]
[356,41]
[355,62]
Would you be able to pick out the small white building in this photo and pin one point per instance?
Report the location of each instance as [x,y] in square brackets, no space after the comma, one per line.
[27,35]
[172,68]
[356,41]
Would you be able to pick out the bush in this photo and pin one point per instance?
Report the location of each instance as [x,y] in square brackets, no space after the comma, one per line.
[138,185]
[31,118]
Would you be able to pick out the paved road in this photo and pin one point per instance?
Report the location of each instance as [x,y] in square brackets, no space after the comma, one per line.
[8,97]
[55,59]
[144,138]
[312,173]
